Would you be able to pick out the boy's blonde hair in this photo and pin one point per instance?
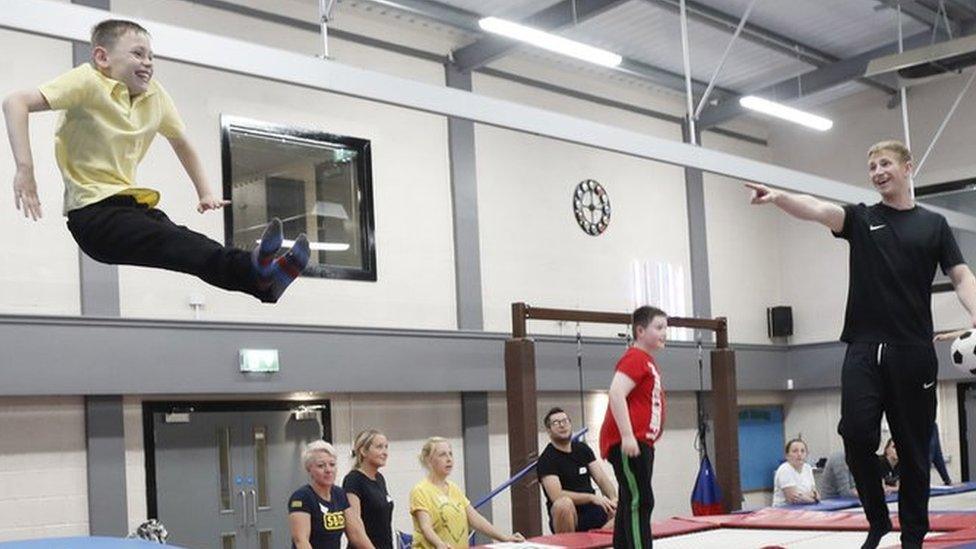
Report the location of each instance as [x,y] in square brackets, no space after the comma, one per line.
[317,447]
[361,444]
[108,32]
[428,449]
[891,145]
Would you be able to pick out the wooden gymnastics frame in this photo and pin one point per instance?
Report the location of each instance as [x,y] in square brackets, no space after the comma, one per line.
[520,385]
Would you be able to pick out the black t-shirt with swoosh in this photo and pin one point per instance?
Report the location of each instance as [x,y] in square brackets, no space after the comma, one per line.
[328,517]
[893,256]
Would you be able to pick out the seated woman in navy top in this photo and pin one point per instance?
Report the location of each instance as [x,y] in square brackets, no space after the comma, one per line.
[319,513]
[366,488]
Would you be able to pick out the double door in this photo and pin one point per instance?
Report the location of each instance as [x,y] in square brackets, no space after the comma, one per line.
[223,477]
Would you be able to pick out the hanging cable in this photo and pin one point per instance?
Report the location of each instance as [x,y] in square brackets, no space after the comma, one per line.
[579,367]
[700,441]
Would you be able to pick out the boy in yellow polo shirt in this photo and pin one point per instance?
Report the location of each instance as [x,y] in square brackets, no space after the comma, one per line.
[112,111]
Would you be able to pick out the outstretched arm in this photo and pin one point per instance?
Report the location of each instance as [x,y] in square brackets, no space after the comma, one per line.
[16,108]
[191,163]
[482,525]
[800,206]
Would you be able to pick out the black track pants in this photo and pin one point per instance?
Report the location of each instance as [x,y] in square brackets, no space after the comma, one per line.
[899,381]
[120,231]
[632,523]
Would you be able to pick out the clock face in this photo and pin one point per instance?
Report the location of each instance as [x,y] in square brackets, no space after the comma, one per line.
[591,206]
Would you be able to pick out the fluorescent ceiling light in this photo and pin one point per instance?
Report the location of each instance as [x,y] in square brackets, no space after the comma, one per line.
[316,246]
[786,113]
[550,41]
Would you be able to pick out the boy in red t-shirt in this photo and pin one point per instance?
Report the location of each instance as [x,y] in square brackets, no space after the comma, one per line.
[633,423]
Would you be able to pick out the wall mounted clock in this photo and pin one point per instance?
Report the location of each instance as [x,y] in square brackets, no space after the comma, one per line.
[591,206]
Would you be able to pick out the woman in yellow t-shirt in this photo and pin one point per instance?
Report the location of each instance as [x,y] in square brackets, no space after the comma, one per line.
[441,513]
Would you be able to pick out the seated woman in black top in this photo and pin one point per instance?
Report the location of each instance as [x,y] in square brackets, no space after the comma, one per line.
[366,487]
[319,513]
[889,467]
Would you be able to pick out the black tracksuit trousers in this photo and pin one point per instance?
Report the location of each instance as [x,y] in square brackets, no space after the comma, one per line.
[899,381]
[120,231]
[632,523]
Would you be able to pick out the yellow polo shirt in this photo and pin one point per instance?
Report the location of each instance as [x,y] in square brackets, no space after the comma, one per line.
[104,134]
[448,513]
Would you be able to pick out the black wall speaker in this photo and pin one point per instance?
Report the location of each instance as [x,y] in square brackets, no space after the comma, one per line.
[779,321]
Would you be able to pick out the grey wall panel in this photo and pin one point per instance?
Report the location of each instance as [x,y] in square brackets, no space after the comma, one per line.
[71,355]
[105,452]
[816,366]
[697,234]
[477,454]
[464,200]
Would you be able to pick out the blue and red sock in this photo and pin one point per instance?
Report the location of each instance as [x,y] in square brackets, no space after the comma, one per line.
[288,267]
[263,256]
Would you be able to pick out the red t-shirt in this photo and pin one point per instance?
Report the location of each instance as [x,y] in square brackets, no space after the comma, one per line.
[646,402]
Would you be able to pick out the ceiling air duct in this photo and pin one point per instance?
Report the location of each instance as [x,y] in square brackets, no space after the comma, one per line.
[927,63]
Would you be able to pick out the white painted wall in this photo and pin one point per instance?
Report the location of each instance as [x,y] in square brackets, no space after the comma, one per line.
[531,247]
[815,264]
[743,249]
[411,200]
[43,472]
[41,259]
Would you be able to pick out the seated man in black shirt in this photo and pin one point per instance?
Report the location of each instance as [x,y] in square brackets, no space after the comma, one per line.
[565,469]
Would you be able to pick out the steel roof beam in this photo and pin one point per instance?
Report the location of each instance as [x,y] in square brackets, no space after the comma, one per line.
[921,13]
[761,36]
[817,80]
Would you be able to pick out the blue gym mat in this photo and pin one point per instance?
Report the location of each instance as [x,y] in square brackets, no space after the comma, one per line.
[83,543]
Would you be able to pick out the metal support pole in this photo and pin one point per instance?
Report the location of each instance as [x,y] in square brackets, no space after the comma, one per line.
[725,55]
[326,13]
[685,54]
[903,92]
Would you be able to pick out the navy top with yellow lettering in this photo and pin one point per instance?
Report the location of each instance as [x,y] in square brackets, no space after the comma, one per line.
[328,519]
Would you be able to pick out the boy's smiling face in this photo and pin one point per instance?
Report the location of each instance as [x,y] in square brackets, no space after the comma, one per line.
[129,60]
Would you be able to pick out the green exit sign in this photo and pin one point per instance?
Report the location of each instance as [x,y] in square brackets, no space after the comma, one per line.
[259,360]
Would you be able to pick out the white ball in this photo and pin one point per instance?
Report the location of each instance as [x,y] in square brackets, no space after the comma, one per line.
[964,353]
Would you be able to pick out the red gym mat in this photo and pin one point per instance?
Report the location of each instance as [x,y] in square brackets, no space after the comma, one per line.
[950,540]
[678,526]
[581,540]
[675,526]
[792,519]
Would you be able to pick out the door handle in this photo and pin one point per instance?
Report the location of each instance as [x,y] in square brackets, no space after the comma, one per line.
[243,495]
[254,507]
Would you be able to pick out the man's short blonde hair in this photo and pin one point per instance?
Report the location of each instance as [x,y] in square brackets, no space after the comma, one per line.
[891,145]
[313,449]
[108,32]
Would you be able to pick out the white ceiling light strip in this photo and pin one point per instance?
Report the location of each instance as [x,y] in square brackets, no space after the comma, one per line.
[784,112]
[549,41]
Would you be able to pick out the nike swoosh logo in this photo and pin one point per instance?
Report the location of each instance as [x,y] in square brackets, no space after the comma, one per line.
[876,227]
[928,385]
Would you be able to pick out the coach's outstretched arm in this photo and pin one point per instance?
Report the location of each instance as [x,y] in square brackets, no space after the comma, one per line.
[800,206]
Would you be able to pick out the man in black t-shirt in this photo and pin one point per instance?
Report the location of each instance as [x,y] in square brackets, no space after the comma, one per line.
[890,366]
[565,469]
